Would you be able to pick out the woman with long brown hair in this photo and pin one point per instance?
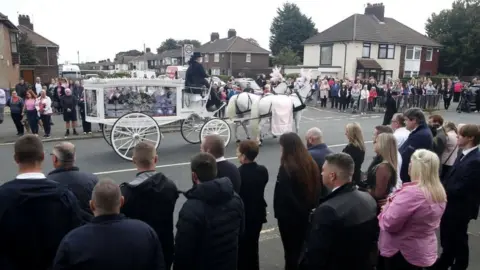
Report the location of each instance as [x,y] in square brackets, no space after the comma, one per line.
[296,194]
[31,111]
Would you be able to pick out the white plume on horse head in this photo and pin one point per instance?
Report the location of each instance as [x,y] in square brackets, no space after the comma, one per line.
[276,75]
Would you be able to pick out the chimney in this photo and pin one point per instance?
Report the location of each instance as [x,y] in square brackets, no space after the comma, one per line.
[232,33]
[214,36]
[24,20]
[378,10]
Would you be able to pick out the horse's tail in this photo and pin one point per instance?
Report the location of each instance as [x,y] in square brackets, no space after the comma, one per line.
[231,108]
[255,116]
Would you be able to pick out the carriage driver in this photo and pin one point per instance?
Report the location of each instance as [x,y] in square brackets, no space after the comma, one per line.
[197,77]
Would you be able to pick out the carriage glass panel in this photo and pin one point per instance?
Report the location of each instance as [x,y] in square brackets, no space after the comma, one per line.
[155,101]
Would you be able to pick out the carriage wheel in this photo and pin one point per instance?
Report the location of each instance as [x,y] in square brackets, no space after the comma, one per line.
[190,128]
[106,130]
[218,127]
[131,129]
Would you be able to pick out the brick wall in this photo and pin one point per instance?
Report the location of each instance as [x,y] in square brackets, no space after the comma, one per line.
[9,73]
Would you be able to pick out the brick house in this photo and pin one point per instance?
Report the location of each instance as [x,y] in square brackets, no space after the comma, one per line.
[233,55]
[47,54]
[9,59]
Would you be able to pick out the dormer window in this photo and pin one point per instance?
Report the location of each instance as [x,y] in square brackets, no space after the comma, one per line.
[14,42]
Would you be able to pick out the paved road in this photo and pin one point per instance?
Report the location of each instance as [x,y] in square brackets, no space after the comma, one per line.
[96,156]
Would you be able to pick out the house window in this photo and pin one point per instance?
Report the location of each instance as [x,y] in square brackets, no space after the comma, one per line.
[413,53]
[248,58]
[326,55]
[429,55]
[14,42]
[366,50]
[206,58]
[215,71]
[410,74]
[174,61]
[216,58]
[385,75]
[386,51]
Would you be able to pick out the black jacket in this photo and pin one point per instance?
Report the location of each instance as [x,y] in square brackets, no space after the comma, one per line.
[227,169]
[21,90]
[35,214]
[420,138]
[151,198]
[110,242]
[80,183]
[195,75]
[254,179]
[208,227]
[69,102]
[343,232]
[358,156]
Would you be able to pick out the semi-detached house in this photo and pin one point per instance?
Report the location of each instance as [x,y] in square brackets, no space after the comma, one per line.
[370,44]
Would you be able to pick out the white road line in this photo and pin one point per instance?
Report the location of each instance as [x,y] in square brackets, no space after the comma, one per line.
[188,163]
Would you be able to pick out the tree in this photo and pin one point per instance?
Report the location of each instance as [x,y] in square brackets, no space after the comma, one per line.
[128,53]
[26,50]
[289,29]
[253,41]
[171,44]
[458,30]
[287,57]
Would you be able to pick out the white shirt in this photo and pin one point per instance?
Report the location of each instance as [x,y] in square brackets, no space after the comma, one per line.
[31,176]
[38,88]
[221,159]
[466,151]
[401,135]
[364,94]
[399,183]
[47,102]
[3,97]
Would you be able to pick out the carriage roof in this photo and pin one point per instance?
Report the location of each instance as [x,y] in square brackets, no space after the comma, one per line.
[130,82]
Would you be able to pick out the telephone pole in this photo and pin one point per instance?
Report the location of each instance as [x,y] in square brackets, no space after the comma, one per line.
[78,57]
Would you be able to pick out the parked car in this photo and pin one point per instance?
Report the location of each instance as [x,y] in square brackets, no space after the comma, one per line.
[247,82]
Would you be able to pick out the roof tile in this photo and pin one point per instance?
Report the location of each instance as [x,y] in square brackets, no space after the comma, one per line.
[234,45]
[37,39]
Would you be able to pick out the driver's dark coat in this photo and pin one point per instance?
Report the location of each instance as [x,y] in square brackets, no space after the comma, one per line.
[195,75]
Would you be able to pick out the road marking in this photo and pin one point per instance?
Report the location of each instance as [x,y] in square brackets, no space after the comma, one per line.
[188,163]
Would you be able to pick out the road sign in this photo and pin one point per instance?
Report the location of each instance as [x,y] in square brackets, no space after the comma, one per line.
[187,51]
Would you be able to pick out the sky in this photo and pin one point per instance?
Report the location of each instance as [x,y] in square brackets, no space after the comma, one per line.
[98,29]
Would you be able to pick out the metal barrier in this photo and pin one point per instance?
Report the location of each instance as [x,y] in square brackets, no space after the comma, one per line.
[427,102]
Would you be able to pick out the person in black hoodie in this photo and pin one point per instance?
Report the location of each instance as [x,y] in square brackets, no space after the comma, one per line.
[343,97]
[390,109]
[214,145]
[210,221]
[66,173]
[252,191]
[151,197]
[35,212]
[69,104]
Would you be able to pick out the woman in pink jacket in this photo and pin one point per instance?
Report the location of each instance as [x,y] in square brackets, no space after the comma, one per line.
[412,214]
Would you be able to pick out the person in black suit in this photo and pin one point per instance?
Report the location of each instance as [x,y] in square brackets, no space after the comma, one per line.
[343,227]
[214,145]
[318,150]
[462,187]
[254,179]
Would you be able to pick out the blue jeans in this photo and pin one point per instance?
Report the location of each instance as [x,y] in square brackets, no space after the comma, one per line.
[32,118]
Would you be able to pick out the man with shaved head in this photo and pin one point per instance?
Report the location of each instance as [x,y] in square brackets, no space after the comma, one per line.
[111,240]
[215,145]
[69,175]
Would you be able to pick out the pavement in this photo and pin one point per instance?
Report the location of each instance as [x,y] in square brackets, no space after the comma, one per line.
[95,156]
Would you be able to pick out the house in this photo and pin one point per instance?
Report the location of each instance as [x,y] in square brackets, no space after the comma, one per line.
[9,57]
[233,55]
[46,52]
[370,44]
[147,61]
[171,58]
[122,64]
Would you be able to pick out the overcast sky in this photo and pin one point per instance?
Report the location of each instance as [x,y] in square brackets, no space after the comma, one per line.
[98,29]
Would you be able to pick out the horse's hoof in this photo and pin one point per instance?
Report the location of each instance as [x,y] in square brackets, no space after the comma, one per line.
[274,136]
[238,141]
[248,138]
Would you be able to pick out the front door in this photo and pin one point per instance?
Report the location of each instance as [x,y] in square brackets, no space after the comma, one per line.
[28,76]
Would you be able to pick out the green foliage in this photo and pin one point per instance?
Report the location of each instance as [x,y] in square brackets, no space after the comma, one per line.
[458,30]
[171,44]
[287,57]
[27,51]
[289,29]
[292,75]
[224,78]
[435,79]
[119,75]
[253,41]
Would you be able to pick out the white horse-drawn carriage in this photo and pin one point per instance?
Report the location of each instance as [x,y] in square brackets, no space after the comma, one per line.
[134,110]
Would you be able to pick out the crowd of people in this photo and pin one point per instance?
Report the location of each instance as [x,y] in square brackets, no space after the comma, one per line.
[32,106]
[330,213]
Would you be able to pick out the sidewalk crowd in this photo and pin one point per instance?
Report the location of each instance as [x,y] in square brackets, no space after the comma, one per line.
[330,214]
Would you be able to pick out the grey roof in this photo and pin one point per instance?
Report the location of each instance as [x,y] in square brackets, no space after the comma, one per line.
[4,20]
[175,53]
[124,59]
[368,28]
[234,45]
[148,56]
[37,39]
